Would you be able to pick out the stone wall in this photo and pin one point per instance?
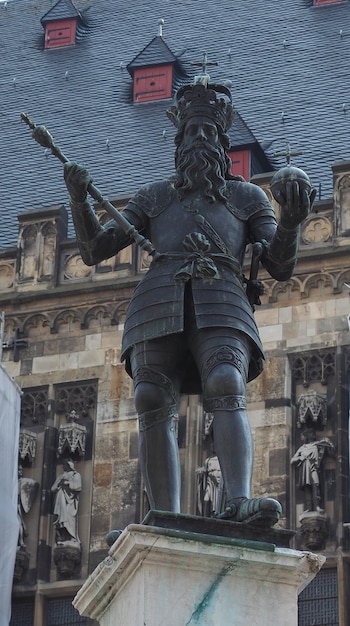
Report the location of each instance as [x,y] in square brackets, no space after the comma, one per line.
[63,329]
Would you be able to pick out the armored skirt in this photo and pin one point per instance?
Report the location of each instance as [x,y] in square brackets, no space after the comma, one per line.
[157,310]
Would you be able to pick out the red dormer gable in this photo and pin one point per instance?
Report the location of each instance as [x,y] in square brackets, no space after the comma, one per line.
[152,72]
[240,163]
[60,24]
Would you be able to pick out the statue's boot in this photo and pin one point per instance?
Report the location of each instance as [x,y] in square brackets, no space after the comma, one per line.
[263,512]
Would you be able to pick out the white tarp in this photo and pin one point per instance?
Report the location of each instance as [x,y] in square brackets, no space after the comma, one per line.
[9,436]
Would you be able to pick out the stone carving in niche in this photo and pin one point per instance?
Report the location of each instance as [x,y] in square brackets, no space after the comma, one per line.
[27,492]
[312,407]
[308,459]
[342,202]
[48,251]
[317,230]
[309,368]
[27,446]
[72,437]
[29,253]
[7,275]
[81,397]
[34,406]
[67,550]
[210,490]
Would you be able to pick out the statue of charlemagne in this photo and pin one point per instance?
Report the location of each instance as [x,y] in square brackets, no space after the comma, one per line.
[190,325]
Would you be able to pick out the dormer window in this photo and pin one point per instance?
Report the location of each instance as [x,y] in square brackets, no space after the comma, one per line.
[240,163]
[152,71]
[152,83]
[60,24]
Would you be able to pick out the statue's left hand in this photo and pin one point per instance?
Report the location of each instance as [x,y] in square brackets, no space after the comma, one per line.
[296,203]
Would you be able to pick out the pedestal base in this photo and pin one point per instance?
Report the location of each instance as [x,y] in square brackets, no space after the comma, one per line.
[160,576]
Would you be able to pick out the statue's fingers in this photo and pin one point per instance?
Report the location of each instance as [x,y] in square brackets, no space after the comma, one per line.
[279,196]
[293,193]
[312,196]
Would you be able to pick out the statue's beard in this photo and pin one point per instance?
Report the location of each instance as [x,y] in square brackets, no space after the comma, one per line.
[201,168]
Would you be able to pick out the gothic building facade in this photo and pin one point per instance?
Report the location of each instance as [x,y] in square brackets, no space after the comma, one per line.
[63,321]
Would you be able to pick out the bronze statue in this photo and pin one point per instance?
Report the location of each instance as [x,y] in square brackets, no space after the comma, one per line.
[190,325]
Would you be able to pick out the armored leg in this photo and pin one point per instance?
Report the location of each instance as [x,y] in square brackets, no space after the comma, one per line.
[225,398]
[156,404]
[224,381]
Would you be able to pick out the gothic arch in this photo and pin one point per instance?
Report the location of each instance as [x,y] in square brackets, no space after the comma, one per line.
[36,323]
[120,312]
[100,314]
[67,320]
[287,290]
[323,282]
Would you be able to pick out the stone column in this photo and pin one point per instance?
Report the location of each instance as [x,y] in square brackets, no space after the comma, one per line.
[166,576]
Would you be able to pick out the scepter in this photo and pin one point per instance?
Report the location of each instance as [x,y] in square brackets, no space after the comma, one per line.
[45,139]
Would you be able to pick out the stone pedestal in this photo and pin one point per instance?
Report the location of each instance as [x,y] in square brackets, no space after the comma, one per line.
[157,576]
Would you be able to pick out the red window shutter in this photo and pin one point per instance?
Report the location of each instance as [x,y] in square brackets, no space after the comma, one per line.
[59,34]
[152,83]
[240,163]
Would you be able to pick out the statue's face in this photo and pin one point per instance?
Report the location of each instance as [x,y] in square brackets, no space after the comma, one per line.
[199,130]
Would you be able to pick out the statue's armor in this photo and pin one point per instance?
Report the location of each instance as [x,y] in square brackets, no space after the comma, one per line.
[157,306]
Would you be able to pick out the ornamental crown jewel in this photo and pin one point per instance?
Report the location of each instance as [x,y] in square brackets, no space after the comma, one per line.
[211,101]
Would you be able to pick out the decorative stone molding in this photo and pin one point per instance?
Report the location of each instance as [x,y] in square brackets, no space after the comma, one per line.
[7,275]
[341,187]
[317,230]
[72,436]
[75,268]
[312,407]
[314,529]
[27,445]
[34,406]
[314,367]
[21,564]
[39,236]
[82,397]
[67,558]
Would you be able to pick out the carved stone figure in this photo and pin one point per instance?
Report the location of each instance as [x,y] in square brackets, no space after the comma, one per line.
[27,491]
[190,325]
[309,459]
[209,487]
[67,488]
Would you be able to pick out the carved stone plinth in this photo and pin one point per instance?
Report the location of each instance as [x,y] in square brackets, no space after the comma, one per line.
[314,529]
[67,558]
[21,564]
[156,575]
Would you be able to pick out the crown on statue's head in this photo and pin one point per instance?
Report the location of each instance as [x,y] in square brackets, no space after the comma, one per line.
[211,101]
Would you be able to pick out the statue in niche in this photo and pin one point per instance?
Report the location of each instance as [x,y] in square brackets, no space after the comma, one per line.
[190,326]
[67,488]
[308,458]
[27,492]
[209,487]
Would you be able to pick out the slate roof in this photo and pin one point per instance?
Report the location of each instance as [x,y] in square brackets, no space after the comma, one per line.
[62,10]
[285,57]
[156,52]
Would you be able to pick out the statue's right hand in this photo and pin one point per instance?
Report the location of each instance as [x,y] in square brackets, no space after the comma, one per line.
[77,180]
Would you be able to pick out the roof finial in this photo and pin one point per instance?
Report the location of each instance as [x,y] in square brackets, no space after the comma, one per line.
[160,27]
